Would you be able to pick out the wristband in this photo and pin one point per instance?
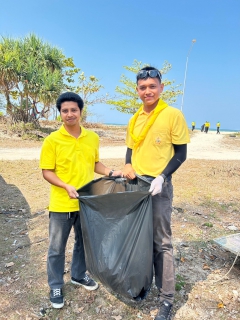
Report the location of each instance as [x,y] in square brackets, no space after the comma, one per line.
[110,173]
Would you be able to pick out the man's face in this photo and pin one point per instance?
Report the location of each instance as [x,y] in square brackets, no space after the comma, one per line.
[70,113]
[149,90]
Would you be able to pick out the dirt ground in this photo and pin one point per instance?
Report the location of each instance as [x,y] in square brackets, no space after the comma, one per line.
[206,206]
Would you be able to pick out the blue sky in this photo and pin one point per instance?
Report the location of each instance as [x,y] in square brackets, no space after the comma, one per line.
[103,36]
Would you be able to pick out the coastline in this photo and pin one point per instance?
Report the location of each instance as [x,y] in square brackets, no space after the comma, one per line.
[211,131]
[230,131]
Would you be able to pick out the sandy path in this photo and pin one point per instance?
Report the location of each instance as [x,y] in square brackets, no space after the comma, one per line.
[202,146]
[209,146]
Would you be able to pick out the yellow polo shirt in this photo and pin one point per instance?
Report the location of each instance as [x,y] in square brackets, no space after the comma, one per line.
[156,150]
[207,124]
[73,160]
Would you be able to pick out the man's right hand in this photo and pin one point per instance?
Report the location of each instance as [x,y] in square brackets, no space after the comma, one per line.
[72,192]
[128,171]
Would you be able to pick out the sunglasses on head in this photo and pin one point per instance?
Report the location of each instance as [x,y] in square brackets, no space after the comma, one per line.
[143,74]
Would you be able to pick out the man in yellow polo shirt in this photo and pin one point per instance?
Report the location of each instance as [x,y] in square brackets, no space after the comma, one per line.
[218,127]
[193,125]
[69,158]
[207,126]
[157,138]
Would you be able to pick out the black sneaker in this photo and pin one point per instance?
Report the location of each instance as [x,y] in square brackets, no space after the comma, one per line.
[56,298]
[165,311]
[86,282]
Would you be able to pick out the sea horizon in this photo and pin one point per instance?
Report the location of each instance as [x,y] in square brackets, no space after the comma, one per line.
[215,129]
[210,129]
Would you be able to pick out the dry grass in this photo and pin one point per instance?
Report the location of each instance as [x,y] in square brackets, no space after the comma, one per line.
[232,141]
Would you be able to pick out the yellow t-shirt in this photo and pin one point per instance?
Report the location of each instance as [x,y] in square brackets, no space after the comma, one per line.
[156,150]
[73,160]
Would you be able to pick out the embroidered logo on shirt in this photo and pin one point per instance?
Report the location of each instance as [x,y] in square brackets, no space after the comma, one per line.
[157,140]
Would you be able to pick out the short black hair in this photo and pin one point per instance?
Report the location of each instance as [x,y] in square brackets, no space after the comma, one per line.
[148,68]
[69,96]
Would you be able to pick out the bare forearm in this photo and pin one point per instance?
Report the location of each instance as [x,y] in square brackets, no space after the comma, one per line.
[52,178]
[100,168]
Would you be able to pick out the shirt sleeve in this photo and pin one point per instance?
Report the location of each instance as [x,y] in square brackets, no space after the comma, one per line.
[180,133]
[129,141]
[47,155]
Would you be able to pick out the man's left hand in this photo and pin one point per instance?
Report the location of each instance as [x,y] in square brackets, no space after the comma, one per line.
[156,185]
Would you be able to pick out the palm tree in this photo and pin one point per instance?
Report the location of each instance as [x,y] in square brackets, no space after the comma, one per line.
[8,75]
[31,72]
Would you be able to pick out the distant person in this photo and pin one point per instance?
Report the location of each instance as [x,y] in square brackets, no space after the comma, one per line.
[193,125]
[218,127]
[207,126]
[202,127]
[69,158]
[157,138]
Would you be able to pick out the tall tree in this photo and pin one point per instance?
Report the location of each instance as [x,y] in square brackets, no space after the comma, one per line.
[32,74]
[128,100]
[8,69]
[88,88]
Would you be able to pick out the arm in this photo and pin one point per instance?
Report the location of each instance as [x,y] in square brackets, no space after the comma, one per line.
[128,169]
[52,178]
[101,169]
[179,157]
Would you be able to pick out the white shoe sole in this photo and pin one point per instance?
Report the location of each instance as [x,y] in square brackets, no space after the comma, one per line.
[86,287]
[57,305]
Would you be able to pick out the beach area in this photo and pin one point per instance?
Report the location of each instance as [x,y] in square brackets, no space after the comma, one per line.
[206,207]
[202,146]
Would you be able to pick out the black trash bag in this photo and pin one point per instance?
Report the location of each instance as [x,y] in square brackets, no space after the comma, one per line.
[117,229]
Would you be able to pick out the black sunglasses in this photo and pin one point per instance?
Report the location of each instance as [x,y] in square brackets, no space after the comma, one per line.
[143,74]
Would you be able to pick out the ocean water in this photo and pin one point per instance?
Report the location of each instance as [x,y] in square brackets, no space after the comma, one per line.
[223,130]
[115,124]
[211,129]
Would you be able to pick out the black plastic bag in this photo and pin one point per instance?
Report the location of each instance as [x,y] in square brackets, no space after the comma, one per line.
[116,221]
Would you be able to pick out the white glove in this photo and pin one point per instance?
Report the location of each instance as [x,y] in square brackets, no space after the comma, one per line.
[156,185]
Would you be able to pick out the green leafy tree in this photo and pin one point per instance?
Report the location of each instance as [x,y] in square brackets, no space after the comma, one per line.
[88,88]
[128,100]
[32,75]
[8,69]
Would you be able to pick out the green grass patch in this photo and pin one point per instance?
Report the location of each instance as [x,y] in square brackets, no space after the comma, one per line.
[180,282]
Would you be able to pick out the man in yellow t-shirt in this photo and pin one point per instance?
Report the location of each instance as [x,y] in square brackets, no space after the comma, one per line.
[157,137]
[207,126]
[193,125]
[69,158]
[218,127]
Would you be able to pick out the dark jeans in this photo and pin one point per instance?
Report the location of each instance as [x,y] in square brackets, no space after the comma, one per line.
[162,246]
[60,226]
